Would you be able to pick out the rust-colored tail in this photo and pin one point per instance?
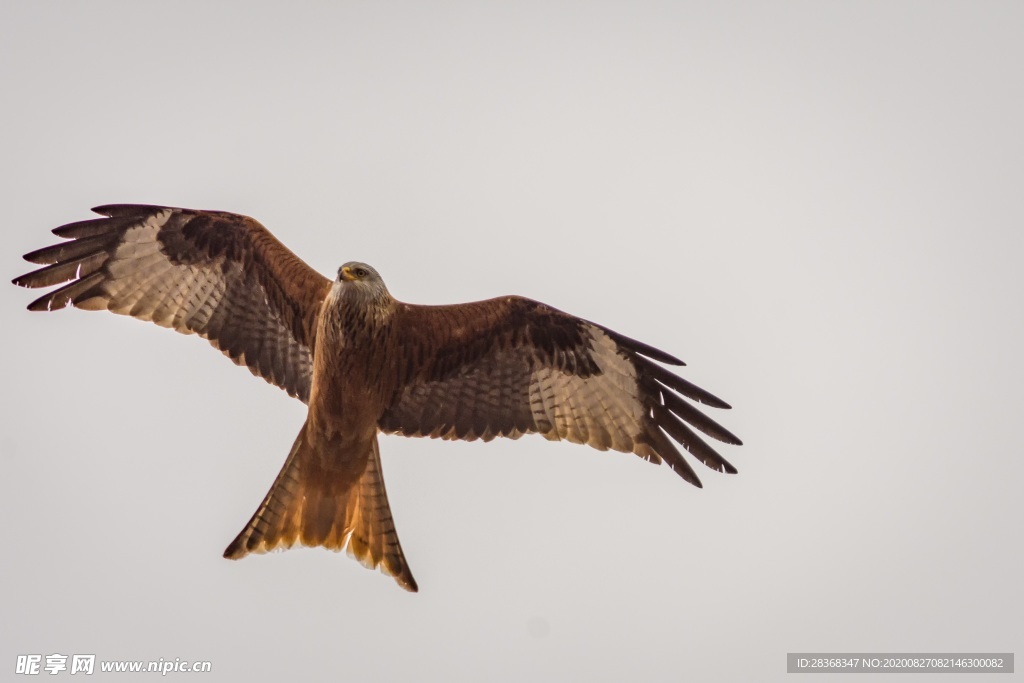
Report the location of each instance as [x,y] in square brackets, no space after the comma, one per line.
[315,509]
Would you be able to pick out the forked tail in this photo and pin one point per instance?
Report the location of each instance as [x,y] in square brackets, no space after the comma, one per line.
[314,509]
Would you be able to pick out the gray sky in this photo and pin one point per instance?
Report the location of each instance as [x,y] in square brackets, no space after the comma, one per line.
[816,205]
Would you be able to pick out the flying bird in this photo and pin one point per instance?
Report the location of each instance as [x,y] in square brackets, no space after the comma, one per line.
[366,363]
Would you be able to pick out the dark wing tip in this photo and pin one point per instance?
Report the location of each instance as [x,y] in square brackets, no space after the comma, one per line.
[674,427]
[687,413]
[665,450]
[112,210]
[712,400]
[46,303]
[688,389]
[696,482]
[641,348]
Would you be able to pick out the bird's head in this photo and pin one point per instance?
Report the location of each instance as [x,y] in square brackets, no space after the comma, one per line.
[361,285]
[358,273]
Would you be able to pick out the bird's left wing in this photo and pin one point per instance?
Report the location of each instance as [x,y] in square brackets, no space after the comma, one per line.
[513,366]
[219,275]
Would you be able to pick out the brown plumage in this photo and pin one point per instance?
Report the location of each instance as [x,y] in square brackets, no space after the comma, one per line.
[367,363]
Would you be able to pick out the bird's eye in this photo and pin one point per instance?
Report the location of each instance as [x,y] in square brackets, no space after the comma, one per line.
[361,272]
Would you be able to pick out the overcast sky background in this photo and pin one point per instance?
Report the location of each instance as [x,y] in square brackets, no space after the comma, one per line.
[817,205]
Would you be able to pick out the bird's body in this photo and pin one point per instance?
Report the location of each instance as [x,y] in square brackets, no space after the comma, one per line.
[348,392]
[366,364]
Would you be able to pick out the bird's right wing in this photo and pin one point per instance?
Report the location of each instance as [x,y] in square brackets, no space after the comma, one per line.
[219,275]
[512,366]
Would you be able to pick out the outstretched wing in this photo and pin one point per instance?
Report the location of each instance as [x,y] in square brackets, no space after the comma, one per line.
[513,366]
[219,275]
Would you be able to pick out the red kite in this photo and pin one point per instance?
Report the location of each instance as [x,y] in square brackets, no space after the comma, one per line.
[367,363]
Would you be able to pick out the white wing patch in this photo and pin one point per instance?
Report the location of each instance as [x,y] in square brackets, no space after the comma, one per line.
[603,410]
[135,262]
[147,285]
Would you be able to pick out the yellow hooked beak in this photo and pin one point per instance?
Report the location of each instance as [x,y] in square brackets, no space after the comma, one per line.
[347,275]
